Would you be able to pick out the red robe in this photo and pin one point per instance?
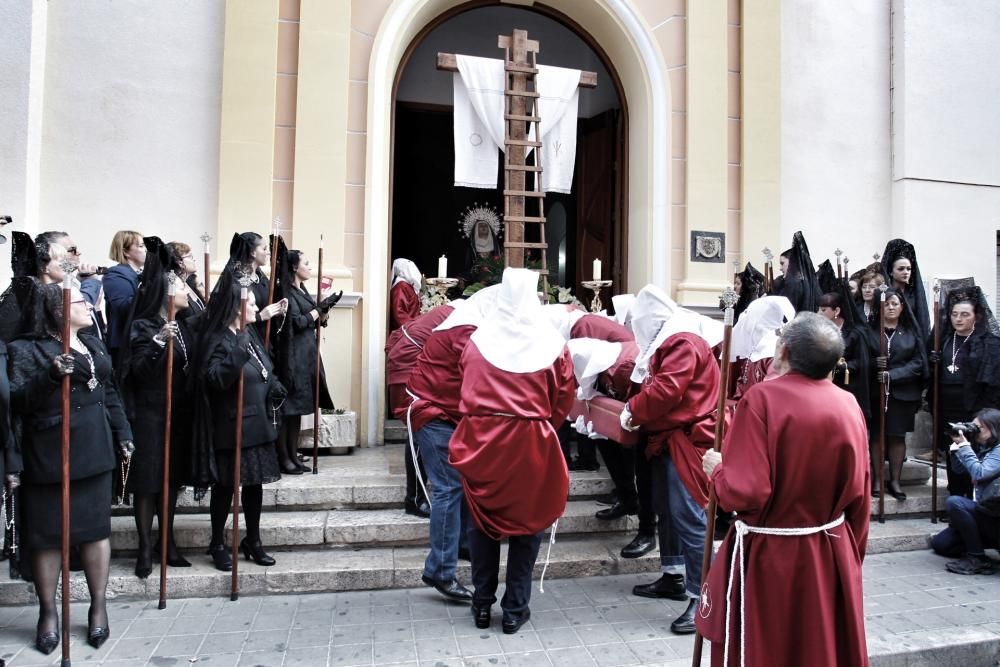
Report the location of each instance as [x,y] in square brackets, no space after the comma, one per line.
[676,406]
[506,448]
[404,304]
[748,373]
[601,328]
[616,381]
[402,349]
[436,379]
[796,457]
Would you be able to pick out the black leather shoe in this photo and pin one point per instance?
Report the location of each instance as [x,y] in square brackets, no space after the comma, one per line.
[895,491]
[617,511]
[422,510]
[640,546]
[303,467]
[607,499]
[481,615]
[450,589]
[46,642]
[174,559]
[668,586]
[144,563]
[220,556]
[97,636]
[684,624]
[290,469]
[255,552]
[512,624]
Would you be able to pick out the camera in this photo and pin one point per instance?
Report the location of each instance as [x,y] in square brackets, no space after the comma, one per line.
[969,429]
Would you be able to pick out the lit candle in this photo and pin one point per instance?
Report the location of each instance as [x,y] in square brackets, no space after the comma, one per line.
[443,266]
[597,269]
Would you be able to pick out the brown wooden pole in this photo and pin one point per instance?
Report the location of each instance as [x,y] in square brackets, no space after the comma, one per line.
[935,406]
[234,591]
[208,268]
[168,415]
[883,400]
[64,452]
[270,287]
[319,339]
[729,299]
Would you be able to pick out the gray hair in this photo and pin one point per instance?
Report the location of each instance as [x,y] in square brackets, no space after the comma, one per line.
[814,344]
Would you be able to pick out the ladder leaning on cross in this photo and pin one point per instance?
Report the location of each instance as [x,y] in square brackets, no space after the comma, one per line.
[520,112]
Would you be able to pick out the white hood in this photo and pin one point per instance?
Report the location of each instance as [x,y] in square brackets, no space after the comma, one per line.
[755,335]
[515,337]
[591,357]
[471,311]
[403,270]
[562,317]
[623,304]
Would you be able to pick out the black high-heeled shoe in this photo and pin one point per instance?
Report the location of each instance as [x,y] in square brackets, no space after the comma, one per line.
[290,469]
[144,563]
[174,559]
[895,491]
[220,557]
[46,642]
[256,553]
[97,635]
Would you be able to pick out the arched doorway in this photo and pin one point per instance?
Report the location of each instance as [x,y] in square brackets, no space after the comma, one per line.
[619,30]
[591,220]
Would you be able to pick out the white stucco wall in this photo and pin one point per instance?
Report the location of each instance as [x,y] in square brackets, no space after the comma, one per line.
[835,143]
[131,120]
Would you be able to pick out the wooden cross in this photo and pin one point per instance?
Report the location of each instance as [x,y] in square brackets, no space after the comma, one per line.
[521,110]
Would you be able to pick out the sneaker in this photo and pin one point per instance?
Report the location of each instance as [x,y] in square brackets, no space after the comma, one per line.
[970,565]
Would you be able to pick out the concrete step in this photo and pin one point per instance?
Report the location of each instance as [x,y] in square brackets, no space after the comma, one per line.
[333,567]
[357,528]
[395,431]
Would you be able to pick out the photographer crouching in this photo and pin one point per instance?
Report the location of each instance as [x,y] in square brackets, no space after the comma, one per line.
[974,524]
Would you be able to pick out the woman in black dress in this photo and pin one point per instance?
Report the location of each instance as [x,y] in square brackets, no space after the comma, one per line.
[902,273]
[854,370]
[798,280]
[224,352]
[183,265]
[296,354]
[97,426]
[142,377]
[901,375]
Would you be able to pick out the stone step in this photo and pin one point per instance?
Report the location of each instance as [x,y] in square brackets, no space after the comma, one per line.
[344,568]
[395,431]
[356,528]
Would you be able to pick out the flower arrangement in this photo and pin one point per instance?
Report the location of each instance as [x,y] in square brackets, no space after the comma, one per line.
[429,298]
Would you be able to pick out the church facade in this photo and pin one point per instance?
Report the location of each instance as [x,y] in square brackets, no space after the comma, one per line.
[741,121]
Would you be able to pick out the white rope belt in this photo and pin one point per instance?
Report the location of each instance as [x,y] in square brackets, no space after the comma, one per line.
[741,531]
[410,338]
[413,449]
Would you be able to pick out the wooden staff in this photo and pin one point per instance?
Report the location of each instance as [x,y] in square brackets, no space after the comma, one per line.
[234,591]
[270,286]
[768,274]
[883,401]
[736,272]
[208,267]
[168,414]
[319,329]
[729,299]
[67,306]
[935,408]
[840,270]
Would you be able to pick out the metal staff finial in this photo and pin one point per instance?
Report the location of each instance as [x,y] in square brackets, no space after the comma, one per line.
[768,255]
[846,260]
[205,238]
[838,252]
[729,298]
[877,257]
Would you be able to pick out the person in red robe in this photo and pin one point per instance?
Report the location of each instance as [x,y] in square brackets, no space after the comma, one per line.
[676,406]
[517,387]
[754,340]
[430,412]
[795,460]
[601,328]
[401,351]
[404,296]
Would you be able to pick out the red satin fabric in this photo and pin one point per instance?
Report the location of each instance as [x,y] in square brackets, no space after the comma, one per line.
[797,457]
[513,472]
[436,378]
[676,406]
[617,380]
[748,373]
[601,328]
[402,350]
[404,305]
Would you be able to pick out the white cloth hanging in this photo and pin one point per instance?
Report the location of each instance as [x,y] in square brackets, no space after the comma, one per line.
[755,336]
[404,270]
[471,311]
[622,303]
[591,357]
[562,317]
[479,123]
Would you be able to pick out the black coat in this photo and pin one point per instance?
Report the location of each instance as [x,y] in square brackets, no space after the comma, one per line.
[300,377]
[10,461]
[221,377]
[978,361]
[908,369]
[97,418]
[146,395]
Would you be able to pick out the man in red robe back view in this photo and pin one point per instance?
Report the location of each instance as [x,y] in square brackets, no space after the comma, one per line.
[517,387]
[795,469]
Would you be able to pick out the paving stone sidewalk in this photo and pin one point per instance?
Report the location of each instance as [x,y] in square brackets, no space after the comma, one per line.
[917,614]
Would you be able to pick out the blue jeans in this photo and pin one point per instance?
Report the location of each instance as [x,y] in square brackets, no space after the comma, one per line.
[448,510]
[681,524]
[968,531]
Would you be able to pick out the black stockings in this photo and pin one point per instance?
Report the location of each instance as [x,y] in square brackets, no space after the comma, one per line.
[895,450]
[251,499]
[288,442]
[47,566]
[148,505]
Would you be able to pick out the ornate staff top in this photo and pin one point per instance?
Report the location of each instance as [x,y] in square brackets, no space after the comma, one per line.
[729,297]
[768,255]
[883,288]
[876,257]
[846,260]
[838,252]
[205,238]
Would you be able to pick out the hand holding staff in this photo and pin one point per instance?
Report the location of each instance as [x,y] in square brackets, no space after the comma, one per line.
[319,339]
[165,490]
[729,299]
[66,412]
[935,409]
[234,591]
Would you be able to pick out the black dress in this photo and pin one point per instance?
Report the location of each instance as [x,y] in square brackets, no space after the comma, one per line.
[97,422]
[258,459]
[300,376]
[145,389]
